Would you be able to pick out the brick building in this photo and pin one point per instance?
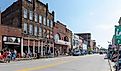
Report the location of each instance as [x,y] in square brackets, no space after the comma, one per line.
[86,37]
[35,23]
[63,38]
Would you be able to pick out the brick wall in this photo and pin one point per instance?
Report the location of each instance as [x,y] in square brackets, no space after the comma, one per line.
[9,31]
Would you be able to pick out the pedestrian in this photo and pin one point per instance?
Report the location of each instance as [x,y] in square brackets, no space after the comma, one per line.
[8,57]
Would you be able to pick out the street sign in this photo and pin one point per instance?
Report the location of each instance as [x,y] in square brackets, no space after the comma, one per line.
[118,41]
[118,34]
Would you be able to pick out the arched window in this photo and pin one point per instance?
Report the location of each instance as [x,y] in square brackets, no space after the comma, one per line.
[57,37]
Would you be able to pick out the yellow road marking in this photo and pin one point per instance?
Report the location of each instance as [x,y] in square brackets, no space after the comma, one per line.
[46,66]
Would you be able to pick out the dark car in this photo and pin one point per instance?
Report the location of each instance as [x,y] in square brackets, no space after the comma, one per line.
[101,52]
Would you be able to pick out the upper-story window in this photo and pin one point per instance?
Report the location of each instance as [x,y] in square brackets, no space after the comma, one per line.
[40,31]
[36,17]
[48,22]
[40,19]
[51,23]
[25,28]
[35,30]
[31,15]
[25,12]
[31,29]
[44,20]
[30,0]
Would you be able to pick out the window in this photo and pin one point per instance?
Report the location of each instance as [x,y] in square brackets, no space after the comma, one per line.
[31,29]
[36,17]
[30,0]
[51,23]
[40,19]
[35,30]
[44,33]
[30,15]
[40,31]
[44,20]
[25,28]
[48,22]
[25,12]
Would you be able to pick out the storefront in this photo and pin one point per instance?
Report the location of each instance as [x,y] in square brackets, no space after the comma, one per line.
[11,43]
[62,47]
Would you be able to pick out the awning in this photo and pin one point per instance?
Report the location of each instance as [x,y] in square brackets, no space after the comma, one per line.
[62,42]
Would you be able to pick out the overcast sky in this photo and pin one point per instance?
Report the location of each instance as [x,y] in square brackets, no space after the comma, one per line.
[97,17]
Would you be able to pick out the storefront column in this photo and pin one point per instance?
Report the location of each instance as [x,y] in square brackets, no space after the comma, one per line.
[38,46]
[53,49]
[28,46]
[42,48]
[33,47]
[22,46]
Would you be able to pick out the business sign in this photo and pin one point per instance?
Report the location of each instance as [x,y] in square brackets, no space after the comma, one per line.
[11,40]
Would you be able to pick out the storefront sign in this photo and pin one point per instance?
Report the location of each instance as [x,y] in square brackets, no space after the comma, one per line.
[62,42]
[11,40]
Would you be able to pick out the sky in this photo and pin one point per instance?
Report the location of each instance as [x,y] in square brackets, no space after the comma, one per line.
[97,17]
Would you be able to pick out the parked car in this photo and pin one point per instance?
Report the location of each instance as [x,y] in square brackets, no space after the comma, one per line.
[101,52]
[76,53]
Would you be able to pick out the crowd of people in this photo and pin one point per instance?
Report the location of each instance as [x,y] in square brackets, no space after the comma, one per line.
[8,55]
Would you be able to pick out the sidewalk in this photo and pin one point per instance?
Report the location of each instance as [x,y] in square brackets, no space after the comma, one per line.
[111,64]
[34,58]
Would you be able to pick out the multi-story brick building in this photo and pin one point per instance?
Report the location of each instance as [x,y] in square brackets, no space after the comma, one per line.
[86,37]
[63,38]
[35,22]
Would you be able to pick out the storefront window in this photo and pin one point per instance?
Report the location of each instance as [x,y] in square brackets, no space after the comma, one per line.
[25,28]
[25,12]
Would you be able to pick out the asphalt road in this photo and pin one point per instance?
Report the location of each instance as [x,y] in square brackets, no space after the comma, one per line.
[70,63]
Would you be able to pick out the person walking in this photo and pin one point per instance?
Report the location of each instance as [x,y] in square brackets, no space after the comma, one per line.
[8,57]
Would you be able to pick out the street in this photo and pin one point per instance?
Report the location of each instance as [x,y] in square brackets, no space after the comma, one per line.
[70,63]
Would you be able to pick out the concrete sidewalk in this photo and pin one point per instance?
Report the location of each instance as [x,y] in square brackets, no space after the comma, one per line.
[111,64]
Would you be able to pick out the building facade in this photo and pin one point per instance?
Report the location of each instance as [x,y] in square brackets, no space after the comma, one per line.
[86,37]
[36,24]
[62,37]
